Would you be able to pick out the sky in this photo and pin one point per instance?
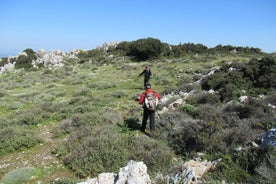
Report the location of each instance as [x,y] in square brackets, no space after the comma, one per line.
[85,24]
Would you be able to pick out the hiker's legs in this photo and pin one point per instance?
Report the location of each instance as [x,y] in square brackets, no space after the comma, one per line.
[152,121]
[145,83]
[145,118]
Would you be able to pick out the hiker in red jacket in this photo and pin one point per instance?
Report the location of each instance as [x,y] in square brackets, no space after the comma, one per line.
[149,111]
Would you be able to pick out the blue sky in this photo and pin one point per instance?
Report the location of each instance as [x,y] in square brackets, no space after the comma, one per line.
[84,24]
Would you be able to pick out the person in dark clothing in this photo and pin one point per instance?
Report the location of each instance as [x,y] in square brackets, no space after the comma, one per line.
[148,113]
[147,75]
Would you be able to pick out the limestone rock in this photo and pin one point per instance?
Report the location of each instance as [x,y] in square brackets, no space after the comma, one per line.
[133,173]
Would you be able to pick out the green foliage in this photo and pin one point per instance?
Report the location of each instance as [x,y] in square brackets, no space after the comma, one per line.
[231,80]
[264,170]
[90,151]
[124,47]
[189,48]
[25,61]
[208,98]
[189,109]
[208,113]
[62,181]
[251,165]
[144,49]
[21,175]
[16,139]
[155,154]
[3,61]
[69,102]
[95,55]
[229,48]
[2,94]
[230,171]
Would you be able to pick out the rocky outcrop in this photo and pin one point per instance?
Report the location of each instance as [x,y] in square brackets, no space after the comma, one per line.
[136,173]
[269,139]
[133,173]
[7,67]
[53,58]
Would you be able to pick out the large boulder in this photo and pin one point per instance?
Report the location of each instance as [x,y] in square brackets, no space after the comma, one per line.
[269,139]
[133,173]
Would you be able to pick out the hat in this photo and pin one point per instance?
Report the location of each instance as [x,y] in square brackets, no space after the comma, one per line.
[148,86]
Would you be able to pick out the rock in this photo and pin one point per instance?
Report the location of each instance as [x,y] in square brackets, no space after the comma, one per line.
[244,99]
[269,139]
[133,173]
[196,169]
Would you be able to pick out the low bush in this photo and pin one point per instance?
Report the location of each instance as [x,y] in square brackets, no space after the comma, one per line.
[25,61]
[208,98]
[17,139]
[209,113]
[155,154]
[2,94]
[189,109]
[3,61]
[256,77]
[20,175]
[83,91]
[90,150]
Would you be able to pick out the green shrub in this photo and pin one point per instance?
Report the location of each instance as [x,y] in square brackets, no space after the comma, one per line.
[208,98]
[32,116]
[83,91]
[265,165]
[184,134]
[116,94]
[230,171]
[16,139]
[3,61]
[189,109]
[25,61]
[92,150]
[2,94]
[242,111]
[144,49]
[186,87]
[155,154]
[21,175]
[209,113]
[250,165]
[239,135]
[64,181]
[255,77]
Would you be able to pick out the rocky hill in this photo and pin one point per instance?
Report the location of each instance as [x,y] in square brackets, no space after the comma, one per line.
[66,117]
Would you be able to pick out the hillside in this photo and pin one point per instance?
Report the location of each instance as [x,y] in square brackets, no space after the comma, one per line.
[69,122]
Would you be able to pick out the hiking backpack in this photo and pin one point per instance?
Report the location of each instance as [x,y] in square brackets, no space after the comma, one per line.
[151,101]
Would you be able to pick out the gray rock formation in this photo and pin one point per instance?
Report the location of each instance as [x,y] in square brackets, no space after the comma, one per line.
[136,173]
[269,139]
[133,173]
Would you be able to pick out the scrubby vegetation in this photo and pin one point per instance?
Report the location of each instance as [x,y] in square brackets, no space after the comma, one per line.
[236,79]
[86,114]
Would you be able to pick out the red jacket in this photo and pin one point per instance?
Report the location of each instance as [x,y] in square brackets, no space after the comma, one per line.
[148,91]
